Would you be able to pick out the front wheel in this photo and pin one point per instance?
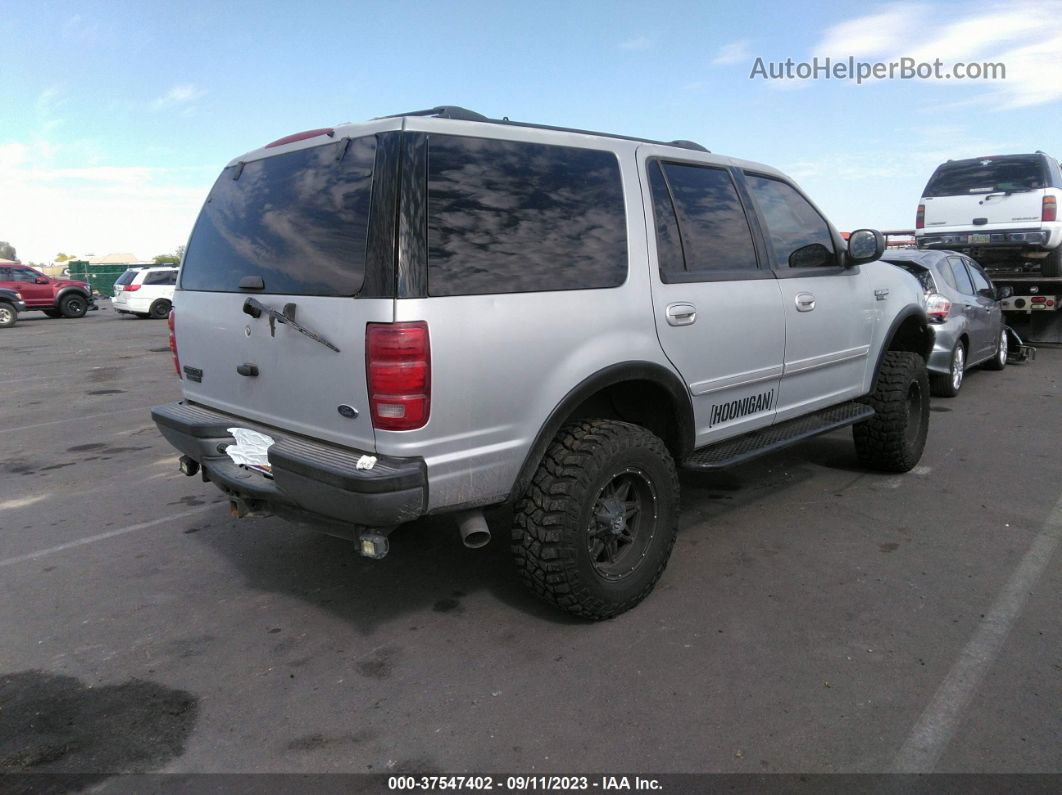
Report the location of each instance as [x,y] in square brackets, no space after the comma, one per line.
[8,315]
[999,361]
[893,439]
[53,313]
[73,305]
[595,528]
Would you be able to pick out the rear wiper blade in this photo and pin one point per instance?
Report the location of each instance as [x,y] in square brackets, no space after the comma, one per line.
[255,308]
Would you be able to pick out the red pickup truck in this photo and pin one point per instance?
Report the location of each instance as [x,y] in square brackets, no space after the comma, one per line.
[54,297]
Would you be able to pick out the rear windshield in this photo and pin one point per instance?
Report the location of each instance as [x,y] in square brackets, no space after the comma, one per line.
[126,278]
[297,220]
[925,278]
[1014,174]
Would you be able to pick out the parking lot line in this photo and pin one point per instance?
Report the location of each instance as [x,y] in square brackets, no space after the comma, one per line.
[939,721]
[76,419]
[103,536]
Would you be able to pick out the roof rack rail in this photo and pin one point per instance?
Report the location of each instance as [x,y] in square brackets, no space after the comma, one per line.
[463,114]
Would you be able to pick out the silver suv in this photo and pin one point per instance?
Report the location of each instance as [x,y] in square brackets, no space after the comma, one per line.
[437,312]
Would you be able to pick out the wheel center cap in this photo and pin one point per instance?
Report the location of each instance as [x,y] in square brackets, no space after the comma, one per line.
[614,515]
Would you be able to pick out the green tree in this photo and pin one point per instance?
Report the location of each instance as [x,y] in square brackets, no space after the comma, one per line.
[7,251]
[171,259]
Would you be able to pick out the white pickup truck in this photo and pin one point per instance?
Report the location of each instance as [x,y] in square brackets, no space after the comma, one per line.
[1002,210]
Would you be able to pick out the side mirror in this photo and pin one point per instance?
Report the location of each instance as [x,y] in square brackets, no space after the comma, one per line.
[1004,292]
[40,280]
[814,255]
[865,245]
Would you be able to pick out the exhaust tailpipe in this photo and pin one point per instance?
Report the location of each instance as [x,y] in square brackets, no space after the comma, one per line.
[473,528]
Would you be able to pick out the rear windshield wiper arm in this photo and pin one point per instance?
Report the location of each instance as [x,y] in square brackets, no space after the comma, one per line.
[255,308]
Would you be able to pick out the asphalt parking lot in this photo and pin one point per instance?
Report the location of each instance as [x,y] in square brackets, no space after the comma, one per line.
[814,617]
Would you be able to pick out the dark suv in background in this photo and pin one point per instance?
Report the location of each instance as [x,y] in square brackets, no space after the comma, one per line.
[54,297]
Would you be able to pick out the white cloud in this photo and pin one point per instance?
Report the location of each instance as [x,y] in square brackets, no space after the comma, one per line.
[734,52]
[48,208]
[639,43]
[180,94]
[1015,35]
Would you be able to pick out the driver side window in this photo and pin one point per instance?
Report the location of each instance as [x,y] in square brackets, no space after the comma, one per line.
[23,275]
[799,237]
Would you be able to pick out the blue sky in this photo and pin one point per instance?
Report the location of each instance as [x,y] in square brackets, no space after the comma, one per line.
[120,115]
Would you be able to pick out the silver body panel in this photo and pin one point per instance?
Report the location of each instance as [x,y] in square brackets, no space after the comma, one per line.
[502,363]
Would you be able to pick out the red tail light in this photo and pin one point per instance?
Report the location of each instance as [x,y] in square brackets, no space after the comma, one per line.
[173,345]
[937,307]
[398,365]
[1050,209]
[1039,299]
[920,217]
[131,288]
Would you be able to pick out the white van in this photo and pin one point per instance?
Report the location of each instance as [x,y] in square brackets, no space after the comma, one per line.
[146,292]
[1001,210]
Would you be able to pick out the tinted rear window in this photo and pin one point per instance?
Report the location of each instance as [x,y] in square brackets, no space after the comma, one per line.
[126,278]
[298,220]
[512,217]
[988,175]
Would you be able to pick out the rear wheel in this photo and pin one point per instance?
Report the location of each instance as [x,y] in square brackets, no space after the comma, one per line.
[73,305]
[160,309]
[595,528]
[948,384]
[1051,265]
[999,361]
[893,439]
[8,315]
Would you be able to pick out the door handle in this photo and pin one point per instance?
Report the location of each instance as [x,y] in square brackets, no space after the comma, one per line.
[805,302]
[681,314]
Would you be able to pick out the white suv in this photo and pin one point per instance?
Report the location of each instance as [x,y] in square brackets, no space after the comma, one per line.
[146,292]
[1001,210]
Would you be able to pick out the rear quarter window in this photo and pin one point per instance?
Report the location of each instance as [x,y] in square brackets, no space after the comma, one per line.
[126,278]
[513,217]
[156,278]
[298,220]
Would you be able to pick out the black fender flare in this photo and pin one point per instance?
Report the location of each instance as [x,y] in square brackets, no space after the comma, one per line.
[65,291]
[655,373]
[902,316]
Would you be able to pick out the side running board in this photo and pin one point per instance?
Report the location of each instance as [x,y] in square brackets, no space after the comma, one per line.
[775,437]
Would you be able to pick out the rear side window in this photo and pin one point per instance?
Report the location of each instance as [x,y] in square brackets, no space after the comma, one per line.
[798,235]
[512,217]
[962,278]
[157,278]
[126,278]
[714,233]
[297,220]
[944,269]
[988,175]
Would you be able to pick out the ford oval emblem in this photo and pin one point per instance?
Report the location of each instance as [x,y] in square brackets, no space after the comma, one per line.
[347,411]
